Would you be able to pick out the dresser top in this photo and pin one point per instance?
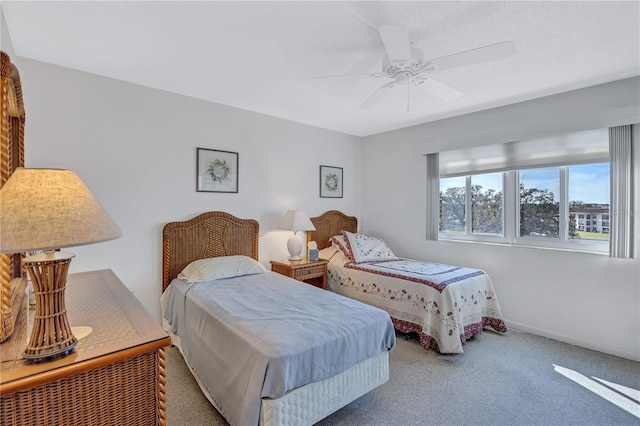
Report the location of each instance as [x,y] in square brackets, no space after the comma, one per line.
[97,299]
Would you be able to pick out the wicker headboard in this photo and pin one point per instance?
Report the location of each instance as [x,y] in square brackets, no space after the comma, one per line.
[330,224]
[209,234]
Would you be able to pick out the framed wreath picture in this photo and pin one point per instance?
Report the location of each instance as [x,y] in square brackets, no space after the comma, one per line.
[330,182]
[217,171]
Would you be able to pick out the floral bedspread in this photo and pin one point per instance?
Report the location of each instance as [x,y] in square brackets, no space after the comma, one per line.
[444,304]
[436,275]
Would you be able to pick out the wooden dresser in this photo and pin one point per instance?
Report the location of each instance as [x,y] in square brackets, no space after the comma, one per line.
[115,376]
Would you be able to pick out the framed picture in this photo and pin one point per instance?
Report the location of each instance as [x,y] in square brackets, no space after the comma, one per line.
[330,182]
[217,171]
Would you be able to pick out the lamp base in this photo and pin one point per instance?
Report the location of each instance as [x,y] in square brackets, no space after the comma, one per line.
[51,336]
[50,355]
[295,245]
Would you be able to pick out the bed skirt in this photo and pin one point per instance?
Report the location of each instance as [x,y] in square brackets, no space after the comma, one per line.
[309,404]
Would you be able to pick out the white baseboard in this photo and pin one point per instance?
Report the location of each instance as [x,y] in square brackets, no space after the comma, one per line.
[513,325]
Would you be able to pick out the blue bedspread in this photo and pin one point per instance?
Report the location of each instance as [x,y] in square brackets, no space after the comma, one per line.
[259,336]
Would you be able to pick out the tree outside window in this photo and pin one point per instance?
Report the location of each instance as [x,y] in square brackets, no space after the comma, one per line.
[452,204]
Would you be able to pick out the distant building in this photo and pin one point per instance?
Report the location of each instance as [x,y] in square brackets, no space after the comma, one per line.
[591,219]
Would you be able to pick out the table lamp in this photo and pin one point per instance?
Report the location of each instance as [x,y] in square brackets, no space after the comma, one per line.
[48,209]
[296,220]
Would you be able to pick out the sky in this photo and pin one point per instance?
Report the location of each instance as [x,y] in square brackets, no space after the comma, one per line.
[589,183]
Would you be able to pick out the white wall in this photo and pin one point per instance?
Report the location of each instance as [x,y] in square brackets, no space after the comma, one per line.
[135,148]
[586,299]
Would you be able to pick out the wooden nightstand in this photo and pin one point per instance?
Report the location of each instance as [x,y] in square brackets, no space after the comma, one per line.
[314,273]
[116,374]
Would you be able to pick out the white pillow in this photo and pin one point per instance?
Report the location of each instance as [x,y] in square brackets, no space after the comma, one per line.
[216,268]
[334,256]
[368,249]
[327,252]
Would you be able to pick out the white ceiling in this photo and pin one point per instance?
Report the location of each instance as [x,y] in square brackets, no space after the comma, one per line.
[261,56]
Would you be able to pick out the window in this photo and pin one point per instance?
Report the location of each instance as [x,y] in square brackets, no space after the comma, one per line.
[486,203]
[546,203]
[552,192]
[520,212]
[453,204]
[589,191]
[539,203]
[479,195]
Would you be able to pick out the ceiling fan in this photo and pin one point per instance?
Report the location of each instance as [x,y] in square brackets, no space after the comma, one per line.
[402,66]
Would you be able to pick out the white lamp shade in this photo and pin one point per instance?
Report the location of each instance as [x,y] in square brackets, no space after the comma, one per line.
[296,220]
[45,209]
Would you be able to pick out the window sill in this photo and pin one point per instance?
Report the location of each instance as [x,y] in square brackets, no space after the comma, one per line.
[572,249]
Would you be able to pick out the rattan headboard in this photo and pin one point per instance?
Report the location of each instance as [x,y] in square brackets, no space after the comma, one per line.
[209,234]
[330,224]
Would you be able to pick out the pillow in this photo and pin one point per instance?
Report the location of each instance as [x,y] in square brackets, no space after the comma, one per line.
[334,256]
[367,249]
[216,268]
[342,244]
[328,252]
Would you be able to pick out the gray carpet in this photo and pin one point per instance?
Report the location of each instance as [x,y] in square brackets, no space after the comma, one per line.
[499,380]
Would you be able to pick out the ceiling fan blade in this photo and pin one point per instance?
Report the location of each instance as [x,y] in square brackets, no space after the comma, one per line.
[396,42]
[437,88]
[362,75]
[380,93]
[473,56]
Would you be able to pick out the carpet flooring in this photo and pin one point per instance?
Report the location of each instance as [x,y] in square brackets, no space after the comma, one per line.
[512,379]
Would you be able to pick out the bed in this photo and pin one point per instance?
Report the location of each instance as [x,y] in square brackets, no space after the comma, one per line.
[264,348]
[445,305]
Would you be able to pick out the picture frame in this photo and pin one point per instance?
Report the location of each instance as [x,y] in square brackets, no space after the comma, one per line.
[216,170]
[331,183]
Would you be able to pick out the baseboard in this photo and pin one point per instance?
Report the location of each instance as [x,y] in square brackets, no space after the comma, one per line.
[516,326]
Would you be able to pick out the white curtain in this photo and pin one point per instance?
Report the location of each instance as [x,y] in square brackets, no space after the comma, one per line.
[433,197]
[621,166]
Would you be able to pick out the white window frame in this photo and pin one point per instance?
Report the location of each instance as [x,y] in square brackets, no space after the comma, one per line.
[511,220]
[580,147]
[468,234]
[563,241]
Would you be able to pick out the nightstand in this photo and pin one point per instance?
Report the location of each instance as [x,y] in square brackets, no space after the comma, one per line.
[314,273]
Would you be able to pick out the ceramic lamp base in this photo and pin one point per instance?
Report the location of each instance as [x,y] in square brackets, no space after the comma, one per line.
[295,246]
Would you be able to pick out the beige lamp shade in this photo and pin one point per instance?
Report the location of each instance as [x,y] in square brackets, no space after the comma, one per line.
[47,209]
